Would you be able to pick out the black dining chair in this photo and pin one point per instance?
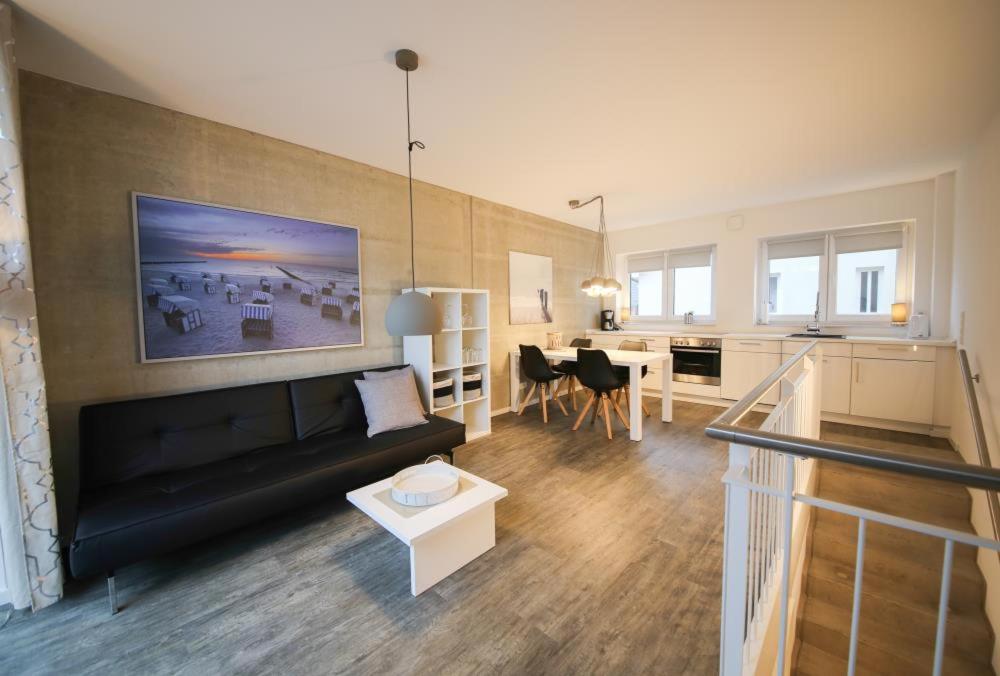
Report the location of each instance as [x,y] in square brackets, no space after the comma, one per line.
[622,371]
[568,368]
[596,374]
[538,371]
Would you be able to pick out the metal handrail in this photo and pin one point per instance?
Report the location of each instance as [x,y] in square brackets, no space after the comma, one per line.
[726,427]
[977,429]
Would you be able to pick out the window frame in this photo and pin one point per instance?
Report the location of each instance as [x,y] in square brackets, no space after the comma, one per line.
[828,276]
[668,284]
[668,313]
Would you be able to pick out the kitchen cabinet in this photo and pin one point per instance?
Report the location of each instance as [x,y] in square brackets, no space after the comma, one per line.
[893,389]
[835,394]
[743,371]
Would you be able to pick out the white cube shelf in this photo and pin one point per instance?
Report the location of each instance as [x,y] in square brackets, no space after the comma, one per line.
[440,356]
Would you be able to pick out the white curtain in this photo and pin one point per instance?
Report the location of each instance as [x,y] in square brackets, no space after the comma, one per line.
[28,532]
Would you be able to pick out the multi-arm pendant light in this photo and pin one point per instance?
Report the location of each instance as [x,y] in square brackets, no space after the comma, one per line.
[413,313]
[602,282]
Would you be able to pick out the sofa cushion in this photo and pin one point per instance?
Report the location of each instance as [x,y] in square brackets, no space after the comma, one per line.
[127,522]
[130,439]
[328,404]
[390,404]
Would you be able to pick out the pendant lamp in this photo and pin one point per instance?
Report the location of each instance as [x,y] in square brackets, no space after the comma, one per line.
[412,313]
[600,283]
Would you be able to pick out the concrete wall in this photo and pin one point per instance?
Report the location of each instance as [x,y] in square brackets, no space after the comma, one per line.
[927,203]
[86,150]
[976,323]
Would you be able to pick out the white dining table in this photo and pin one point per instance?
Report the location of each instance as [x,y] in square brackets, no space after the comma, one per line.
[634,360]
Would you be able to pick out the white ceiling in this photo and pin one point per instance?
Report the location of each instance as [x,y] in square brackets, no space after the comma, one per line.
[670,108]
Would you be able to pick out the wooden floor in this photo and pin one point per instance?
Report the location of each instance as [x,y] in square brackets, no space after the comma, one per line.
[608,560]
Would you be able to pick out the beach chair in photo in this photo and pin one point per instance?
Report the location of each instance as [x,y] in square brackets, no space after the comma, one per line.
[180,313]
[232,294]
[257,320]
[183,284]
[351,298]
[265,285]
[154,291]
[261,297]
[209,286]
[328,288]
[222,277]
[331,308]
[307,295]
[356,313]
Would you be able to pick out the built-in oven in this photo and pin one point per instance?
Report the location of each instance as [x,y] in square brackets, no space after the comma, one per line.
[697,360]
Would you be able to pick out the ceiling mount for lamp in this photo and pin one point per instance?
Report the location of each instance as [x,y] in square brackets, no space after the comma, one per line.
[413,313]
[602,282]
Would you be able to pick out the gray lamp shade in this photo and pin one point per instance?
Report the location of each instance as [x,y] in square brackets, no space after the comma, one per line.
[413,314]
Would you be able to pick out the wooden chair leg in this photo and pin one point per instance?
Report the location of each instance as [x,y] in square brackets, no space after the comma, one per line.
[644,409]
[527,398]
[597,409]
[621,416]
[544,400]
[607,416]
[627,398]
[559,401]
[571,389]
[583,413]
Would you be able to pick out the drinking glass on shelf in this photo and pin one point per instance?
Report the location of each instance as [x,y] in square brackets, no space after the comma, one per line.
[466,315]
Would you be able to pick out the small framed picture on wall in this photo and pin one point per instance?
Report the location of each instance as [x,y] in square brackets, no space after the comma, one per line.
[530,288]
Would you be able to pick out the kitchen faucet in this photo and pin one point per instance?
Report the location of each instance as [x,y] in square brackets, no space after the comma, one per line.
[813,326]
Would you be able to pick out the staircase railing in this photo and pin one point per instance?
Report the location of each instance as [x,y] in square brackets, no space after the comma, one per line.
[769,504]
[982,449]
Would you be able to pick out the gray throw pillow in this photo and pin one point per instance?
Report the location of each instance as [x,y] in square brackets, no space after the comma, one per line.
[390,404]
[405,372]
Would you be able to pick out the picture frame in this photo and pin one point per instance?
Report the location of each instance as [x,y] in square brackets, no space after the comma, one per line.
[216,280]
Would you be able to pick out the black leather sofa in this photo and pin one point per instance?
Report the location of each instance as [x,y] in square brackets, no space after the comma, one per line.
[161,473]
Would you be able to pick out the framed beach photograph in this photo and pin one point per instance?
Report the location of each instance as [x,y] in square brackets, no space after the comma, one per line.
[220,281]
[530,288]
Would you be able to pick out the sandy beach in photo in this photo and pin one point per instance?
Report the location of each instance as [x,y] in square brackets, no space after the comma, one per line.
[295,325]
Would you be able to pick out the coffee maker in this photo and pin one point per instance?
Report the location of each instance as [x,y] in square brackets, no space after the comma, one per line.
[608,321]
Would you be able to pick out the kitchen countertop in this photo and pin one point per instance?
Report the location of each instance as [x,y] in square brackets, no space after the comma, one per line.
[893,340]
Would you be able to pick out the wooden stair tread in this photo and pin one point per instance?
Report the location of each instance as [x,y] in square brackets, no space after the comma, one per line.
[907,585]
[813,661]
[880,650]
[843,528]
[968,633]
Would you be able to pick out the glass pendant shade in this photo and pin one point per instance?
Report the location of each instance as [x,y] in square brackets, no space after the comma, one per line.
[599,286]
[413,314]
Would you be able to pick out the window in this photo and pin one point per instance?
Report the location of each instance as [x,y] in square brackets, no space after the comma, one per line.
[845,276]
[793,275]
[689,276]
[667,285]
[868,289]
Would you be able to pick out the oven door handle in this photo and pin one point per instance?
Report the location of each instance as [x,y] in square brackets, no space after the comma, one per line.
[706,350]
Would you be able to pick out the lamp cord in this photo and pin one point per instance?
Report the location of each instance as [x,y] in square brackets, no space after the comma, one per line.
[410,144]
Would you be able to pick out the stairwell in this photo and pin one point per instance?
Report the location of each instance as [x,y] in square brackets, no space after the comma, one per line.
[902,570]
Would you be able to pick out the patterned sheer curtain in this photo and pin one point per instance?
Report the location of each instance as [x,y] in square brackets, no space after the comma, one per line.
[28,532]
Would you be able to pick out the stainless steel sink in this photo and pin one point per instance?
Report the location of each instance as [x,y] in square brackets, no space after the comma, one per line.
[840,336]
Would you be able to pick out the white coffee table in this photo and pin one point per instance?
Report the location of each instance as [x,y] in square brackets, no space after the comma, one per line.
[442,538]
